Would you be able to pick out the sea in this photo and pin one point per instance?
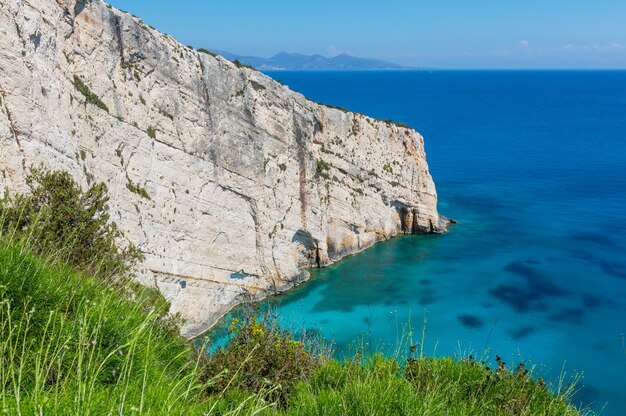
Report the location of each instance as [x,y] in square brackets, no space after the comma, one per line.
[532,165]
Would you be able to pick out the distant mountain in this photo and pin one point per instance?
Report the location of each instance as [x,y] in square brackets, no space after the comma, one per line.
[296,61]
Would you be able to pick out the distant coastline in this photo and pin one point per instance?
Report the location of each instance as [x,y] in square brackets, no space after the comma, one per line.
[285,61]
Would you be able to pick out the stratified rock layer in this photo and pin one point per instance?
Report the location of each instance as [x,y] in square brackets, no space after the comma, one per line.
[246,182]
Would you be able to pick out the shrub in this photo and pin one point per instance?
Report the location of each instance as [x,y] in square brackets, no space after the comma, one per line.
[322,166]
[262,358]
[151,132]
[56,215]
[207,52]
[239,64]
[90,97]
[137,189]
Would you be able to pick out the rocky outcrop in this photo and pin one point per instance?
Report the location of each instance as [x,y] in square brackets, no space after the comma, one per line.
[230,183]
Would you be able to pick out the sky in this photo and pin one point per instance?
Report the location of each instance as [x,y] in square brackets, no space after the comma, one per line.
[448,34]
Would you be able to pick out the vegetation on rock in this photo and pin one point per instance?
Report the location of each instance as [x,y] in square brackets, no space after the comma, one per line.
[90,97]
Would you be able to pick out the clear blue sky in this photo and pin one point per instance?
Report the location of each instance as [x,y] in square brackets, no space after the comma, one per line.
[431,33]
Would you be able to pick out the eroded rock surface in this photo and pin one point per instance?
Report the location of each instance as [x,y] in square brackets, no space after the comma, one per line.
[245,183]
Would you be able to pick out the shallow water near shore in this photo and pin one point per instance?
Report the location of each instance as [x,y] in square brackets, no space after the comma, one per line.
[533,166]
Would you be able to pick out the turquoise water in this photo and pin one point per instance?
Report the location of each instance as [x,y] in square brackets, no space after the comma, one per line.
[533,166]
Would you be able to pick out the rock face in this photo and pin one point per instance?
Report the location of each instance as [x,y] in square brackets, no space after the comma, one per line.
[230,183]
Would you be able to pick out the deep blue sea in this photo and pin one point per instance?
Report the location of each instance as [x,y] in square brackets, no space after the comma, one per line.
[533,166]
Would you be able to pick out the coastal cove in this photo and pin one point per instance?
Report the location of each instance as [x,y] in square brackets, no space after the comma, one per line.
[532,166]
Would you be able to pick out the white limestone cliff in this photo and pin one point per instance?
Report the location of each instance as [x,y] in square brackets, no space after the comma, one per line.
[247,182]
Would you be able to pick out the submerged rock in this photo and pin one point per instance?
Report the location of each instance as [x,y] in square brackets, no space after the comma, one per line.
[230,183]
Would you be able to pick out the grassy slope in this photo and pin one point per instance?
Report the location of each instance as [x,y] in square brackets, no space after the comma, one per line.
[72,345]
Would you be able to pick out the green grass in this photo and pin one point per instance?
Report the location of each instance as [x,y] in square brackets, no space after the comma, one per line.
[73,345]
[381,387]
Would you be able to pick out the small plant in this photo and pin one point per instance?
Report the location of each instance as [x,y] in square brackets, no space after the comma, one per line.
[355,126]
[262,357]
[387,168]
[322,169]
[90,97]
[165,113]
[239,64]
[137,189]
[334,107]
[151,132]
[282,167]
[399,124]
[206,51]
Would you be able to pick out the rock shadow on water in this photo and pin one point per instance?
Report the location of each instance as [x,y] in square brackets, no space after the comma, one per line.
[609,267]
[595,238]
[522,332]
[427,297]
[531,294]
[471,321]
[591,301]
[568,315]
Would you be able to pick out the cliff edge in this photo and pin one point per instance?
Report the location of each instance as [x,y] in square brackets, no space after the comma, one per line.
[230,183]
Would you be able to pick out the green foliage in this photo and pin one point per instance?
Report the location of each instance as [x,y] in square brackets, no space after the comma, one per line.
[387,168]
[207,52]
[262,358]
[165,113]
[137,189]
[56,215]
[403,125]
[90,97]
[151,132]
[321,169]
[283,167]
[397,123]
[355,126]
[239,64]
[335,107]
